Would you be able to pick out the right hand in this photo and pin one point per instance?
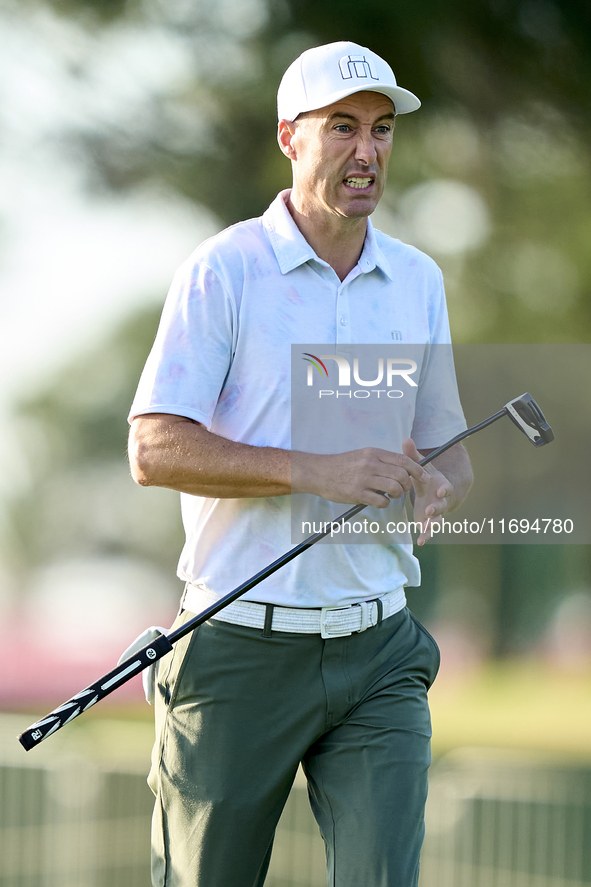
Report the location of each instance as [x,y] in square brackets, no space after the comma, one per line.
[359,477]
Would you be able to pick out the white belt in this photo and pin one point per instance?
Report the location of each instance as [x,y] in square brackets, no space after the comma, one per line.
[329,622]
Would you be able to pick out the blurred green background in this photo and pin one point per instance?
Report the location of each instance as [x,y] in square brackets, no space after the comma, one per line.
[131,130]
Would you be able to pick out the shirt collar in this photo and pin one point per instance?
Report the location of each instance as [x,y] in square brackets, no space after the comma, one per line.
[289,244]
[292,249]
[371,255]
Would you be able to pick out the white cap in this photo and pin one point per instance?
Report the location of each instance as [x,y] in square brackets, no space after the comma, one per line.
[325,74]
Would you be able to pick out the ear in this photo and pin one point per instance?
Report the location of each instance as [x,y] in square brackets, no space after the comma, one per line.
[285,134]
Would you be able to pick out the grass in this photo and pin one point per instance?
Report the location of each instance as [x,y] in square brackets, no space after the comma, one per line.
[115,737]
[514,705]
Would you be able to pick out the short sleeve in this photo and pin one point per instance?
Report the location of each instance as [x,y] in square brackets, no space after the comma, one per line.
[438,414]
[192,352]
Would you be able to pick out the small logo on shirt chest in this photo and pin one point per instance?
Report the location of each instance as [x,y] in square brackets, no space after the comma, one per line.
[396,335]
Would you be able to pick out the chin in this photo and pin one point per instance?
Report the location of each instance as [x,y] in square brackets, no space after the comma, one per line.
[359,211]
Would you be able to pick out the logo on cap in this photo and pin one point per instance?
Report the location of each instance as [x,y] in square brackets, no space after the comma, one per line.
[355,66]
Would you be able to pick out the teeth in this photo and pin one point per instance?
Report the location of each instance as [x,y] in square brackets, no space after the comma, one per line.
[355,182]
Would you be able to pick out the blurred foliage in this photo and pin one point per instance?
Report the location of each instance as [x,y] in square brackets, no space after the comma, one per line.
[83,412]
[502,600]
[487,61]
[101,10]
[79,499]
[489,58]
[506,88]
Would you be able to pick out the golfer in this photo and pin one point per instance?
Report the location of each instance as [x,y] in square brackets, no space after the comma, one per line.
[322,664]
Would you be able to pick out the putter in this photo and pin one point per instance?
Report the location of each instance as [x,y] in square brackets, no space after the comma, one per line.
[523,411]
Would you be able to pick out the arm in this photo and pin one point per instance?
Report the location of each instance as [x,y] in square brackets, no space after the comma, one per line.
[178,453]
[450,479]
[181,454]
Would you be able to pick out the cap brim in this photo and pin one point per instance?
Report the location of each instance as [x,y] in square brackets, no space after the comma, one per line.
[404,101]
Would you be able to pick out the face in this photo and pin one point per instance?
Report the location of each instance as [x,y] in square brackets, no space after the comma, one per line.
[340,155]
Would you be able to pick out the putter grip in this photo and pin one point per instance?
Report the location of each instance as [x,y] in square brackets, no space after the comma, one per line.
[91,695]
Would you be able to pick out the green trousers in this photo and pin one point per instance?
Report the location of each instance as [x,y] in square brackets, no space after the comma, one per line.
[236,713]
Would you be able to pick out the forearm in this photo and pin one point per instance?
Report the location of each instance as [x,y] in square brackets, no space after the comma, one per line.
[180,454]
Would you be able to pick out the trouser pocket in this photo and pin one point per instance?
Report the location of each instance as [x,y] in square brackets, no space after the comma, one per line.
[432,645]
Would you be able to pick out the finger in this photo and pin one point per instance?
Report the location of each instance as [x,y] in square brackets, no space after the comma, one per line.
[417,472]
[409,448]
[436,508]
[394,487]
[406,463]
[425,534]
[375,498]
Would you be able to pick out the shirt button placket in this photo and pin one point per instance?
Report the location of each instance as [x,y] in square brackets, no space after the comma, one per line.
[343,317]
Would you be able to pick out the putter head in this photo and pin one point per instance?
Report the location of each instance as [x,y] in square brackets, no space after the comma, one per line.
[527,415]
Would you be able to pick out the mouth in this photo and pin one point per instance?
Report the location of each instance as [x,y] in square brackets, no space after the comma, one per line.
[359,183]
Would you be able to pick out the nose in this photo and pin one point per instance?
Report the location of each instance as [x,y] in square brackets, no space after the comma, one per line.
[365,149]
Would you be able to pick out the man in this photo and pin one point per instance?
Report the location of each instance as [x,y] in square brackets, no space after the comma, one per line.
[264,686]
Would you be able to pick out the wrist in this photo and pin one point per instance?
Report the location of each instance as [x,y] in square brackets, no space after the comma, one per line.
[307,473]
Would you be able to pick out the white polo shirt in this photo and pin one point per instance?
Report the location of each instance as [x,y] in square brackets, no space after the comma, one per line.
[222,356]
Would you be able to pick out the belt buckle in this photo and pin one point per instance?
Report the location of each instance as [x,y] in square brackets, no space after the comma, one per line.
[325,632]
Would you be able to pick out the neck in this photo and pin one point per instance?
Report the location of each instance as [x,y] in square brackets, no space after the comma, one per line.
[335,239]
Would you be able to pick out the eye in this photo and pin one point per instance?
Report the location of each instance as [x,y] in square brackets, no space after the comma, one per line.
[383,129]
[343,127]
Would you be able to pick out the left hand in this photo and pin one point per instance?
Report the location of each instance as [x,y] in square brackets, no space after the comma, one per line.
[432,499]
